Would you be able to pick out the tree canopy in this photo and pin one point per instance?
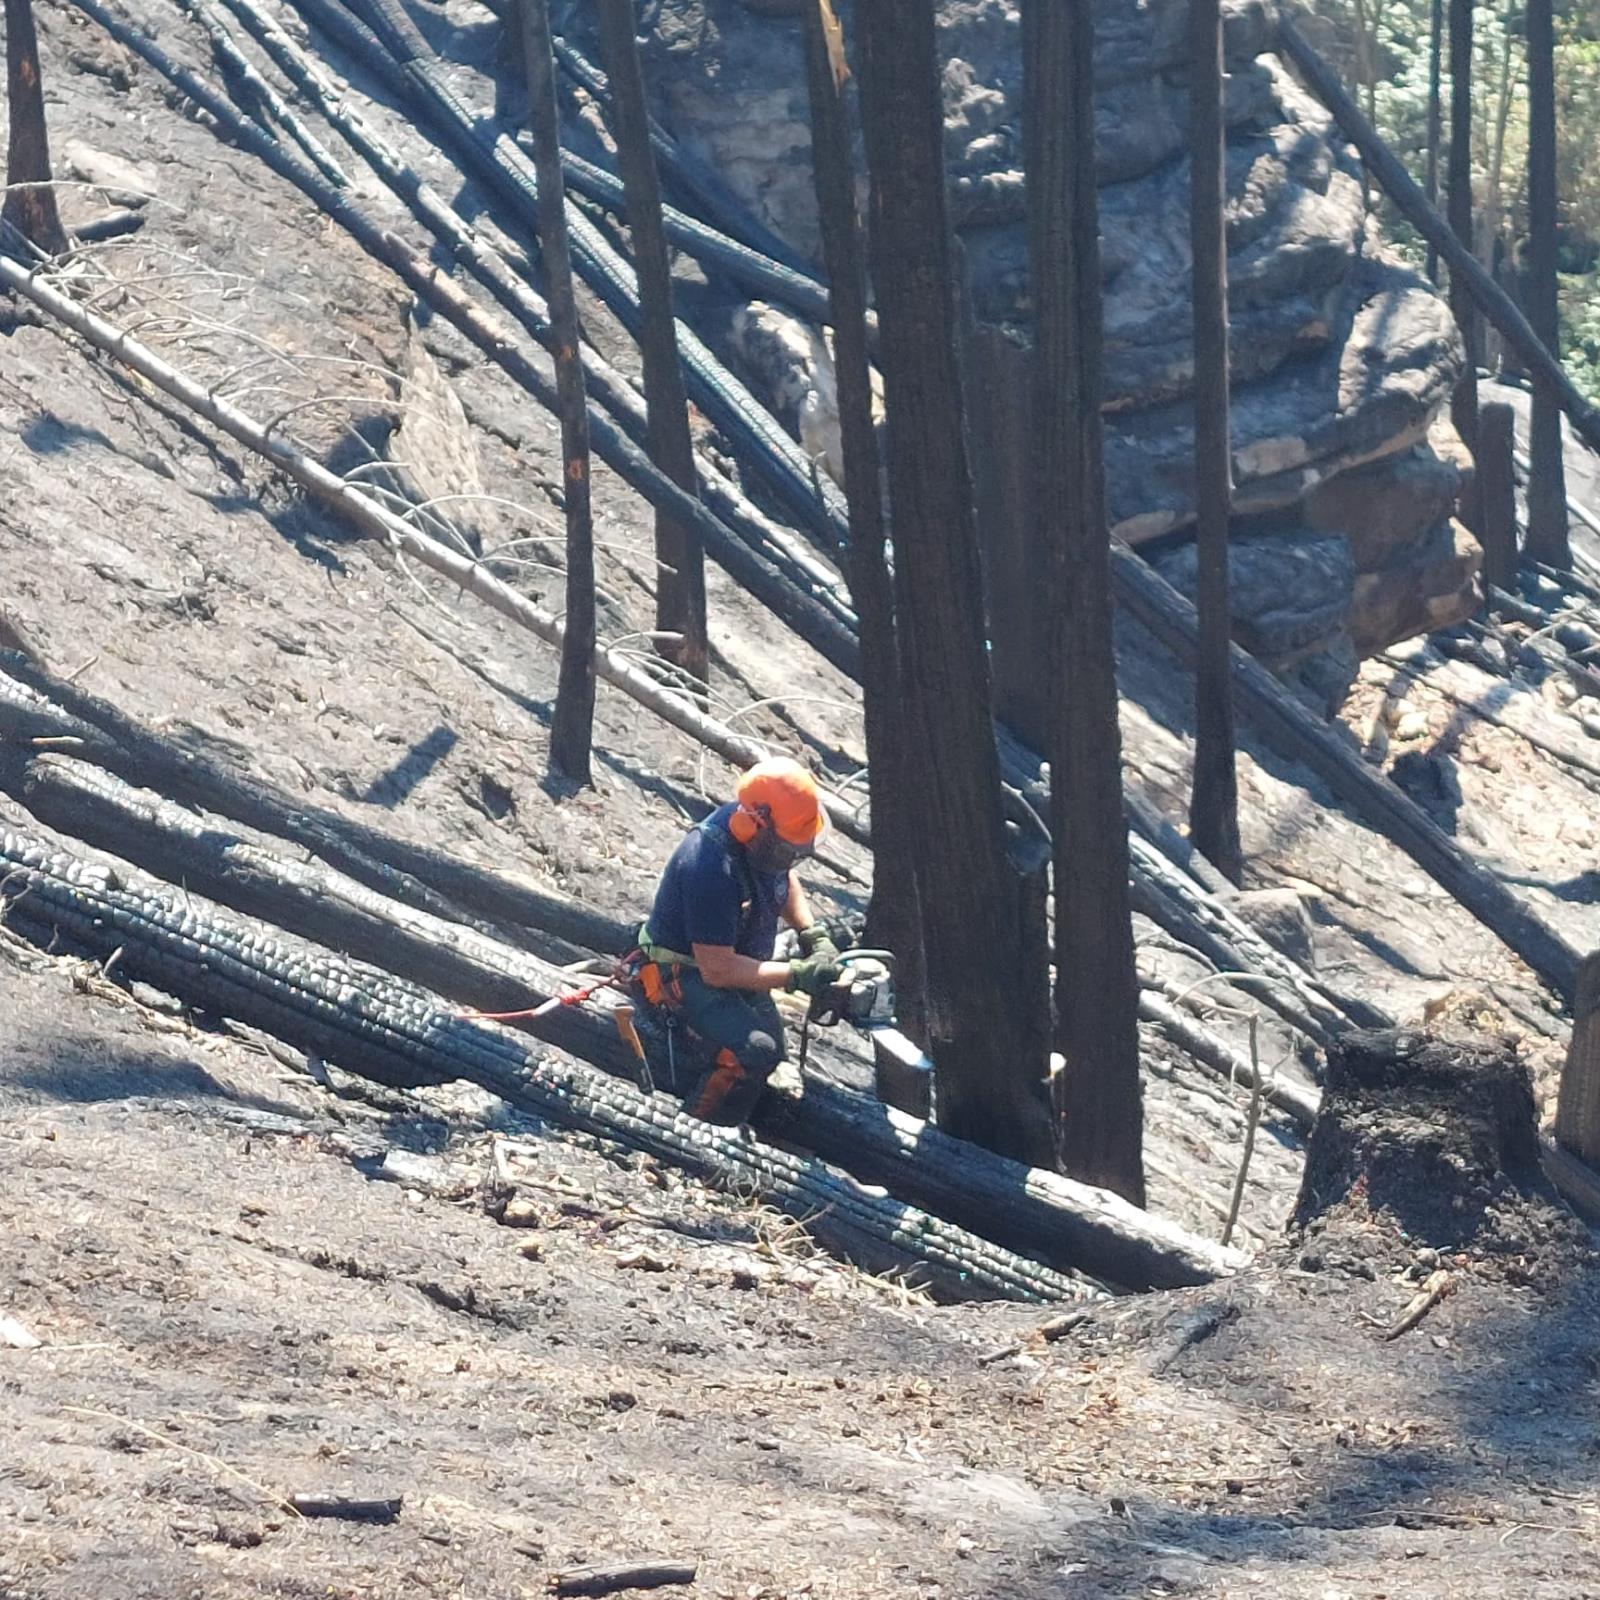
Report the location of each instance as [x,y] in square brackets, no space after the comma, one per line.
[1382,48]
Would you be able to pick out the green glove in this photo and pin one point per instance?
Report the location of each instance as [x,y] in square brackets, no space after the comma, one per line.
[816,941]
[814,975]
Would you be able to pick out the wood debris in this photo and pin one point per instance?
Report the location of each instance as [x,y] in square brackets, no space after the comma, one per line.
[627,1575]
[1434,1288]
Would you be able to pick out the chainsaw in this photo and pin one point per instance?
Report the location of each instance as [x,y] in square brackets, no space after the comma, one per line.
[864,997]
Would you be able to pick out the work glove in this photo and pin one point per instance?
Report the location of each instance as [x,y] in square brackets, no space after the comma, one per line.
[816,941]
[815,975]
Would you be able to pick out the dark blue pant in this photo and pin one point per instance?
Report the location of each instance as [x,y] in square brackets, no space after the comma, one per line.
[743,1035]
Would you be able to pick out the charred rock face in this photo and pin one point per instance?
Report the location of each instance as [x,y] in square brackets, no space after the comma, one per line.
[1342,357]
[1430,1141]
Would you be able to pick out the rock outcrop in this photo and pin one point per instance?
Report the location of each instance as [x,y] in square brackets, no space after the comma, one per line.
[1342,357]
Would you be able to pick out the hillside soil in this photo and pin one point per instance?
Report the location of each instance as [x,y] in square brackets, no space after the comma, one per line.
[236,1307]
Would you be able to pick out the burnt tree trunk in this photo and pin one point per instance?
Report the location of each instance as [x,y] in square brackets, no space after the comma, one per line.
[572,727]
[1214,804]
[1464,403]
[1001,370]
[1097,992]
[31,208]
[1430,185]
[680,574]
[1548,529]
[893,918]
[985,1032]
[1578,1107]
[1498,535]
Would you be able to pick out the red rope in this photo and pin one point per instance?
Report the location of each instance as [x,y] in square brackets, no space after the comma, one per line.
[545,1007]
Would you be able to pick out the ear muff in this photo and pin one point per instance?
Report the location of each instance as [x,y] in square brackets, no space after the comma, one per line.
[744,824]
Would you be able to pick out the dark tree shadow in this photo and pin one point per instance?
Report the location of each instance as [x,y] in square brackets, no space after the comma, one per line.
[47,434]
[80,1069]
[390,788]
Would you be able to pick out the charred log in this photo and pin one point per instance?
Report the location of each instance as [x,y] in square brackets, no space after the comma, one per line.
[379,1027]
[1061,1221]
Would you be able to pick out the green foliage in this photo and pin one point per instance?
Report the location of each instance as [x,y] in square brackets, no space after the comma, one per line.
[1382,47]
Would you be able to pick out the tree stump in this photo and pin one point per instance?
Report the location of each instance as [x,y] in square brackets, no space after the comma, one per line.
[1430,1141]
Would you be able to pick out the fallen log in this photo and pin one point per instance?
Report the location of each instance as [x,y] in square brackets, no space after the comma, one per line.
[396,1033]
[1512,714]
[1578,1182]
[269,103]
[34,705]
[700,179]
[115,224]
[1173,901]
[305,899]
[1063,1221]
[1289,726]
[347,1508]
[1554,656]
[724,209]
[1200,1043]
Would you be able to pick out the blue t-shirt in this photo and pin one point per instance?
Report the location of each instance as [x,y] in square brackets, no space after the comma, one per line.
[711,893]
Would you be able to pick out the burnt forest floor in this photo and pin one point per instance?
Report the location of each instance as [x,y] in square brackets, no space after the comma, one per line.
[236,1305]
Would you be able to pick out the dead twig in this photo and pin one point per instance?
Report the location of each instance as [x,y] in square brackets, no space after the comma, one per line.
[1252,1122]
[1434,1288]
[625,1575]
[270,1495]
[346,1507]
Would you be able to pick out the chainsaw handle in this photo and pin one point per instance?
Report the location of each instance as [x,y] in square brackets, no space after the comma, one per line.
[826,1008]
[885,957]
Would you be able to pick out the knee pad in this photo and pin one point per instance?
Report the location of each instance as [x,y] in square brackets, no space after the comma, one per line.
[762,1052]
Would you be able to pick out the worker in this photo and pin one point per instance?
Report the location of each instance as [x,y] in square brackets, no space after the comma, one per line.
[708,946]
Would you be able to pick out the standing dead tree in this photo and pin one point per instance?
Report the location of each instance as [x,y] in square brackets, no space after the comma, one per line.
[1578,1108]
[987,1033]
[893,918]
[1097,990]
[1548,528]
[680,576]
[1435,118]
[30,204]
[1214,804]
[1464,402]
[572,728]
[1498,535]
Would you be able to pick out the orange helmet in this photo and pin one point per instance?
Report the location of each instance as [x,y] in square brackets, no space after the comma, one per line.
[785,794]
